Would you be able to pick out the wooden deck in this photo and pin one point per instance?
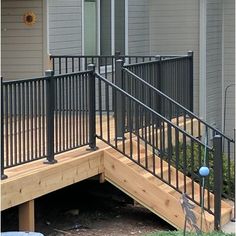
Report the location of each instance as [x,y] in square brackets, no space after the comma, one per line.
[73,166]
[29,181]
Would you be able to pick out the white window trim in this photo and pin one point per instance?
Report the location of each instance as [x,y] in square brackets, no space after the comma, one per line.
[82,21]
[112,27]
[45,62]
[98,27]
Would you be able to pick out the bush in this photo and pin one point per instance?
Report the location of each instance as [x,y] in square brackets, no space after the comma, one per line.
[192,166]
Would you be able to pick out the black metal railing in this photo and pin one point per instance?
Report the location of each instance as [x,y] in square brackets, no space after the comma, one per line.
[158,148]
[104,65]
[45,116]
[173,76]
[183,117]
[24,121]
[42,117]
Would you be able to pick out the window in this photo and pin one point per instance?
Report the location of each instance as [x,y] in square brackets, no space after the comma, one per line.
[104,27]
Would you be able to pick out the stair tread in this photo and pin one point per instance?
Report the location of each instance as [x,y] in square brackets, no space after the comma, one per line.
[147,182]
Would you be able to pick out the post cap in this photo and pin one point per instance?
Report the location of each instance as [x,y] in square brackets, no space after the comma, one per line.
[190,53]
[91,67]
[49,72]
[217,136]
[119,61]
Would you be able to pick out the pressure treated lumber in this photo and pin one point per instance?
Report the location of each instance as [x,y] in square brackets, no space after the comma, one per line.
[27,216]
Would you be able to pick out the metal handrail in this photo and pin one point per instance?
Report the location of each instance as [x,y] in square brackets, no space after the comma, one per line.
[152,111]
[164,156]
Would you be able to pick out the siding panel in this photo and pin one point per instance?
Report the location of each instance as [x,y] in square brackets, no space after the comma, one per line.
[229,64]
[22,45]
[65,27]
[138,18]
[174,29]
[213,60]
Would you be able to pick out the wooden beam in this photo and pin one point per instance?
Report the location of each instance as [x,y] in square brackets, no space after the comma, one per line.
[48,178]
[26,216]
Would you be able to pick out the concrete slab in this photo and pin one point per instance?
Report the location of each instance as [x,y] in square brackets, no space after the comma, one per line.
[229,228]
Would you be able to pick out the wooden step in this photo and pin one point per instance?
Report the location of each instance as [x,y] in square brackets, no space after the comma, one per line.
[153,193]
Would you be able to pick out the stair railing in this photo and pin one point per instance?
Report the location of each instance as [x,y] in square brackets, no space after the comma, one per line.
[139,144]
[181,116]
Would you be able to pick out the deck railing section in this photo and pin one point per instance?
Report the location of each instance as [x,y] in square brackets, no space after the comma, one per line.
[173,76]
[24,132]
[42,117]
[104,64]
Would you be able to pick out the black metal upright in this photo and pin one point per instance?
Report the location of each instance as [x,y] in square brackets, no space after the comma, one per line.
[159,86]
[119,106]
[50,116]
[3,176]
[190,54]
[92,108]
[218,182]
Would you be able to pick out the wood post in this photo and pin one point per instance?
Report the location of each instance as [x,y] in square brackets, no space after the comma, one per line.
[102,178]
[26,216]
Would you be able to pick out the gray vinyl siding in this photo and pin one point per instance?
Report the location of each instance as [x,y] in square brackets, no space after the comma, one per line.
[229,63]
[174,29]
[138,27]
[21,45]
[65,27]
[213,63]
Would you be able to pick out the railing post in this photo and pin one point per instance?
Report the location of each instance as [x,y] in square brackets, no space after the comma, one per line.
[50,116]
[117,55]
[119,106]
[217,144]
[3,176]
[92,108]
[190,54]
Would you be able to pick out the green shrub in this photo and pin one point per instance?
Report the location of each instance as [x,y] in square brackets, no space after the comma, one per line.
[192,166]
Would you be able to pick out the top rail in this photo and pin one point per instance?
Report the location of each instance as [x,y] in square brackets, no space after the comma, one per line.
[155,61]
[152,111]
[25,80]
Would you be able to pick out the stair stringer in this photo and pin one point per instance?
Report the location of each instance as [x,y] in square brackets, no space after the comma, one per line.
[147,192]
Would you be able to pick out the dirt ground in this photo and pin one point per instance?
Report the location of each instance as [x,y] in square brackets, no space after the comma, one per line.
[88,209]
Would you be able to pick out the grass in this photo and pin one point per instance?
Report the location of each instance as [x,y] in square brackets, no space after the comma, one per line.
[180,233]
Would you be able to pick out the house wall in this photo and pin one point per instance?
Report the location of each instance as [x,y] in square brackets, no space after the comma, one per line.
[229,64]
[174,29]
[138,27]
[65,27]
[213,62]
[21,45]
